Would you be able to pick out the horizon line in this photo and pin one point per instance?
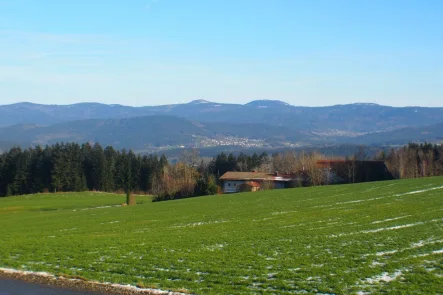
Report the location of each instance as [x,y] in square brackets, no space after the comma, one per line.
[203,101]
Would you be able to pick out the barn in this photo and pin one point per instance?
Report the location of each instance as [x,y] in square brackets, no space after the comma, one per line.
[233,182]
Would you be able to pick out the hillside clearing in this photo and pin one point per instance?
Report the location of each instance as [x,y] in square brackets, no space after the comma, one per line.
[384,237]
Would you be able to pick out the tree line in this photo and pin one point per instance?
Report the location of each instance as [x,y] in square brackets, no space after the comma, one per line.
[414,160]
[70,167]
[73,167]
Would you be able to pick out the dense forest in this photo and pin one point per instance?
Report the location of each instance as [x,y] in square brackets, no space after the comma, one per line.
[73,167]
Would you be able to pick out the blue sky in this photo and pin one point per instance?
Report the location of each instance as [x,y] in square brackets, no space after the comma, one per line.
[154,52]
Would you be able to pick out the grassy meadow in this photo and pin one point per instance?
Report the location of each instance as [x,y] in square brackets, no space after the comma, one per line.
[379,238]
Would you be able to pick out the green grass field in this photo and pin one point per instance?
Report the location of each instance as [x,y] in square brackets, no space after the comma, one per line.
[384,237]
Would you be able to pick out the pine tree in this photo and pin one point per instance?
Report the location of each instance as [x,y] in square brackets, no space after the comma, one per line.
[58,160]
[98,164]
[124,175]
[110,156]
[88,165]
[21,183]
[10,170]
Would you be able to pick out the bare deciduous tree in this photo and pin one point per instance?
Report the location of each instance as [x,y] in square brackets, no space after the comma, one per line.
[190,157]
[316,175]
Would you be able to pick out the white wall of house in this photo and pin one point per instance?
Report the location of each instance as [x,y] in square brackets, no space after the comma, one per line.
[232,186]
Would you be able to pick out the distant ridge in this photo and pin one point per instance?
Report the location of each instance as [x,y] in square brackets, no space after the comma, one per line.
[358,122]
[267,103]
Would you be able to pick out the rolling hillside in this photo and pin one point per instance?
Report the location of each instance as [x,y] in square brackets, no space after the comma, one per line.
[152,131]
[370,238]
[347,120]
[263,124]
[431,133]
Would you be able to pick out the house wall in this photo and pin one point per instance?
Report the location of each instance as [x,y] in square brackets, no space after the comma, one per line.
[278,185]
[232,186]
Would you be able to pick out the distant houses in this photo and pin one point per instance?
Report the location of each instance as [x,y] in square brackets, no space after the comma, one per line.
[328,171]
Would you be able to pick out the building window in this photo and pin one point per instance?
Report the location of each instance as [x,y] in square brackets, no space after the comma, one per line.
[229,184]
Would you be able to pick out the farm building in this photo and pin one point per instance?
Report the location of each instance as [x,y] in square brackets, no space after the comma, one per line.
[327,172]
[234,181]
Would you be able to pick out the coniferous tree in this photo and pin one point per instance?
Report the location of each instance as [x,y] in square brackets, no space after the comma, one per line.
[58,180]
[21,184]
[88,164]
[35,177]
[146,173]
[124,175]
[110,156]
[135,166]
[98,164]
[10,169]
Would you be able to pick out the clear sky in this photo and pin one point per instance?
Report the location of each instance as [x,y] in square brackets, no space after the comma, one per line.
[152,52]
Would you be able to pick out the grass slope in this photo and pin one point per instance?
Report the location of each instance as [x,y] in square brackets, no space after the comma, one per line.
[384,237]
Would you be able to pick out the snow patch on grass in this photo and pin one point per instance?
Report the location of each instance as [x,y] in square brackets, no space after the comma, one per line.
[391,228]
[376,263]
[384,277]
[377,230]
[419,191]
[282,212]
[390,219]
[99,207]
[349,202]
[422,243]
[383,253]
[215,247]
[110,222]
[68,229]
[194,224]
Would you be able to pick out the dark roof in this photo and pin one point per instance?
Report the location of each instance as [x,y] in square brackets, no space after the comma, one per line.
[246,176]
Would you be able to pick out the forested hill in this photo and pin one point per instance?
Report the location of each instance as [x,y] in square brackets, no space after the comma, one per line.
[351,119]
[263,124]
[156,131]
[431,133]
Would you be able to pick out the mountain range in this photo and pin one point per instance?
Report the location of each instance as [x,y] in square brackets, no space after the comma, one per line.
[200,123]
